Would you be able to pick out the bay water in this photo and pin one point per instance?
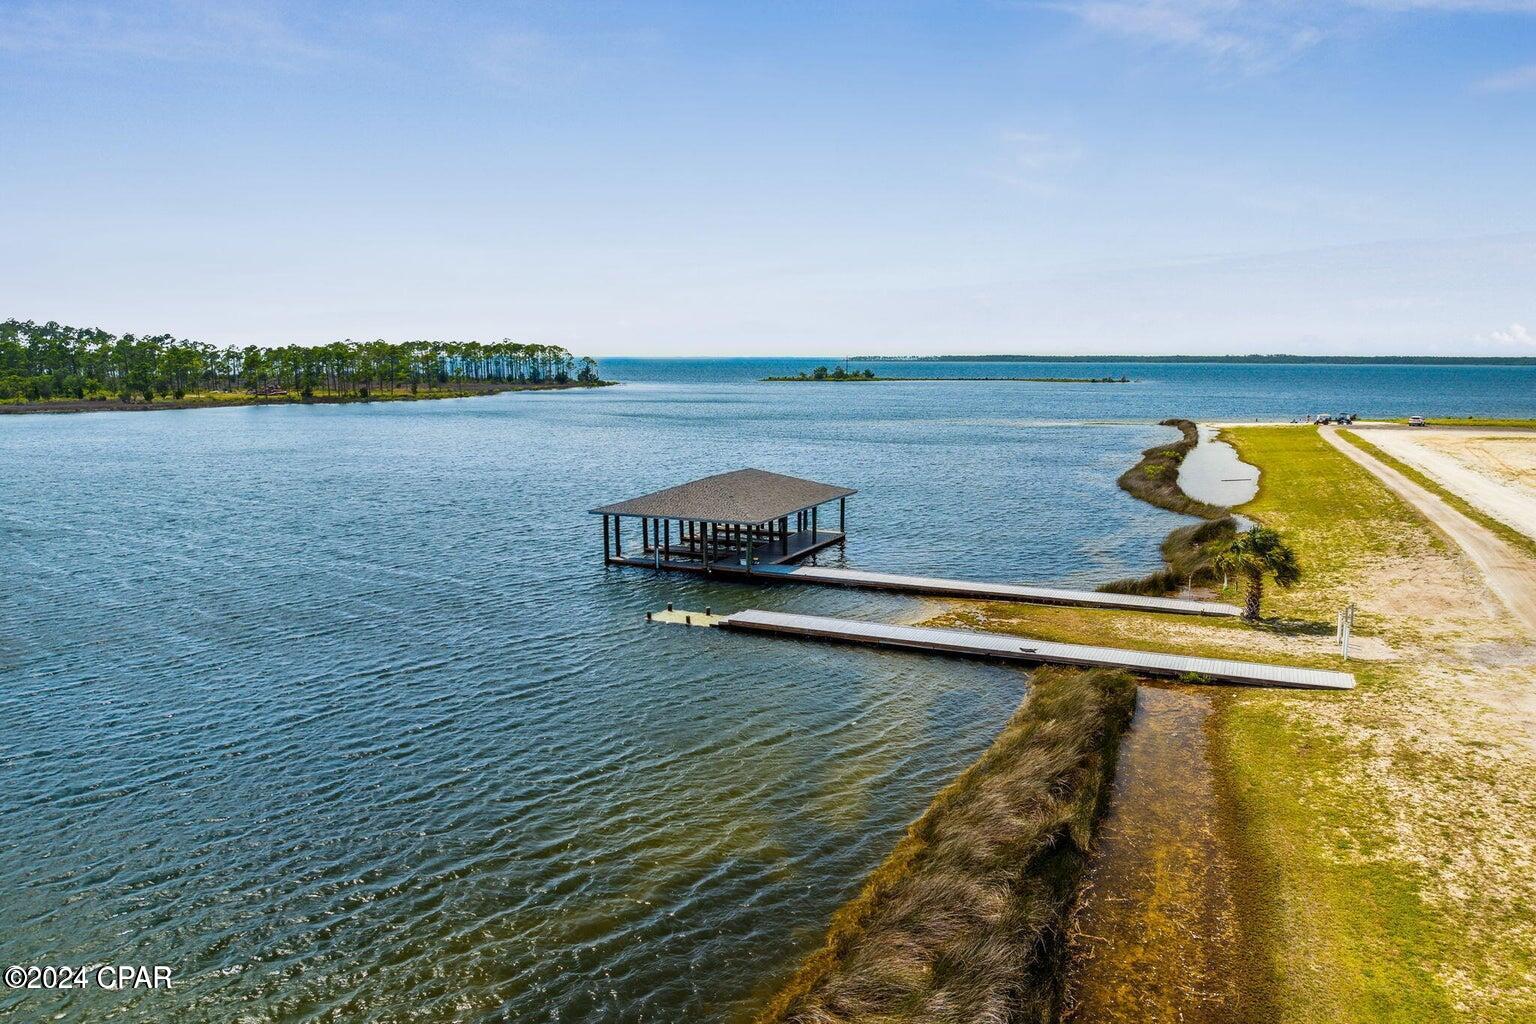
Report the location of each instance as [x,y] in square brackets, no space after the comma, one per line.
[336,711]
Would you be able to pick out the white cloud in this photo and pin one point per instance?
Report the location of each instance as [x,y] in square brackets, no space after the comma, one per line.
[1514,334]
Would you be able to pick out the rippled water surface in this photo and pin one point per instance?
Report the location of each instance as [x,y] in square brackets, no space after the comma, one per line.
[337,712]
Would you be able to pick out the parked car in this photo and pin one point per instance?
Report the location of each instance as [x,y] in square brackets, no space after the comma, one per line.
[1323,420]
[1415,421]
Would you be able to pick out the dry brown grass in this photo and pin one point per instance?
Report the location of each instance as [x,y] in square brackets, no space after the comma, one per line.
[965,920]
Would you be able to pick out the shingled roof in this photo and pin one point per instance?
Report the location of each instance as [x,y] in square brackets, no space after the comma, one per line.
[743,497]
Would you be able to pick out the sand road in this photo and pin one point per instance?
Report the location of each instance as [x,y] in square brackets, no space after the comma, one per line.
[1494,470]
[1511,574]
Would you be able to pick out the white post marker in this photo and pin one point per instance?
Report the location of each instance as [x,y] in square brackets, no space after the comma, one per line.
[1346,627]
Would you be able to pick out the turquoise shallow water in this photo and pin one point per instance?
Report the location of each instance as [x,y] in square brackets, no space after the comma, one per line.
[337,712]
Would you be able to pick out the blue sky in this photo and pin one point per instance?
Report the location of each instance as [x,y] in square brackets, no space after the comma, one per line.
[1093,176]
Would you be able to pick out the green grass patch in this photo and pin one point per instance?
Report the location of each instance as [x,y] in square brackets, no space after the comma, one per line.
[965,920]
[1112,627]
[1351,937]
[1336,516]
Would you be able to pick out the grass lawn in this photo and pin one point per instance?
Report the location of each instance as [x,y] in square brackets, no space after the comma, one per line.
[1353,804]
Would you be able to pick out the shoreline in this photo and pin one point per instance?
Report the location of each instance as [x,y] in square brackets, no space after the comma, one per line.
[238,401]
[1176,921]
[1155,477]
[1016,826]
[1170,752]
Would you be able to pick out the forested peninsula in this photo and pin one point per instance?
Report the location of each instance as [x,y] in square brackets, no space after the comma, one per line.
[52,368]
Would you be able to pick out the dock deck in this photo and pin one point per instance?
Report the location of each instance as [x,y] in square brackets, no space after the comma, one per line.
[1023,649]
[780,567]
[994,591]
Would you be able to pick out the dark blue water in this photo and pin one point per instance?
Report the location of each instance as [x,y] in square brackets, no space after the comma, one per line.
[336,711]
[1197,390]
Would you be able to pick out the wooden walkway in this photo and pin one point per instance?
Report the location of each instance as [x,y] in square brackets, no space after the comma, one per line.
[1023,649]
[994,591]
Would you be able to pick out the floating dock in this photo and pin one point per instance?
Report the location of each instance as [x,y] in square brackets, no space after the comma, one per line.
[828,576]
[1022,649]
[995,591]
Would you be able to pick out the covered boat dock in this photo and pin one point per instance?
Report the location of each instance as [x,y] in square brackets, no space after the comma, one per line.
[726,522]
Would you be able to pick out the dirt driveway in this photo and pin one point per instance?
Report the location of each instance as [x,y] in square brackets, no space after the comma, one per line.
[1493,470]
[1510,573]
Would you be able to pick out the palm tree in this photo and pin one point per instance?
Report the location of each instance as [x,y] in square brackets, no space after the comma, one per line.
[1257,554]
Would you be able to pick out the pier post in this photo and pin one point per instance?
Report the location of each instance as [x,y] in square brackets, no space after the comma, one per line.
[814,537]
[607,543]
[842,515]
[750,531]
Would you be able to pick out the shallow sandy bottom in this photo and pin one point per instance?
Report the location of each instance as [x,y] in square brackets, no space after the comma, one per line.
[1213,473]
[1494,470]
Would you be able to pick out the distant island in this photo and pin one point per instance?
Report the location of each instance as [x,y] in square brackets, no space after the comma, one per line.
[838,373]
[1276,358]
[53,368]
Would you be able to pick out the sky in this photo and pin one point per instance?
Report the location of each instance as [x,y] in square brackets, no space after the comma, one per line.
[820,178]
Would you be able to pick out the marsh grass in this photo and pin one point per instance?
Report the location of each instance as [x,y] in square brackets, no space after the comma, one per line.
[966,919]
[1189,553]
[1155,479]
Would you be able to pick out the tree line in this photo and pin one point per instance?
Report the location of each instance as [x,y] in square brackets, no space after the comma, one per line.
[51,361]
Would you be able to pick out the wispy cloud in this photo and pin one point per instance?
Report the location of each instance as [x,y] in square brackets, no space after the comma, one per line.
[1251,34]
[1255,34]
[1510,81]
[1453,6]
[1034,160]
[498,47]
[521,58]
[168,31]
